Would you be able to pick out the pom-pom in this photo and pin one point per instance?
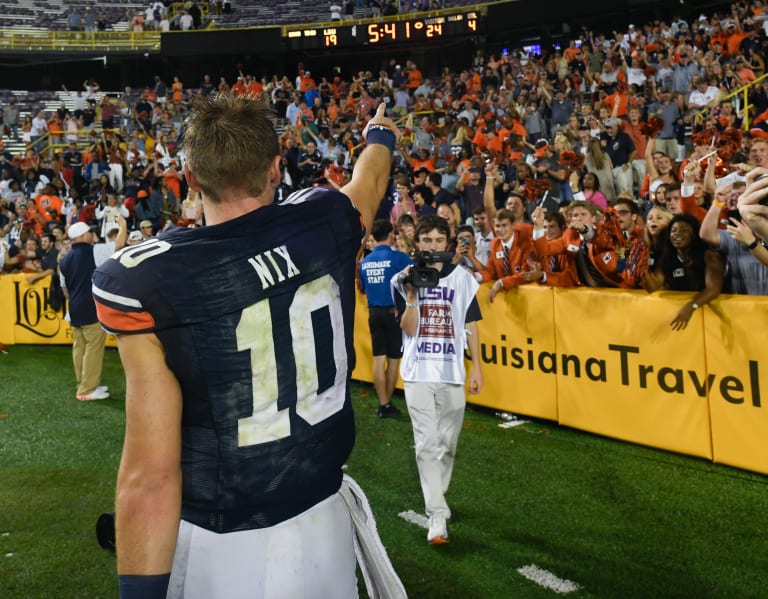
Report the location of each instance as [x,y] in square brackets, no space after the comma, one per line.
[535,188]
[573,160]
[705,137]
[652,127]
[721,170]
[608,233]
[729,143]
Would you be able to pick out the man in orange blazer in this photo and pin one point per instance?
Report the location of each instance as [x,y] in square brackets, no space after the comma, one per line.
[511,255]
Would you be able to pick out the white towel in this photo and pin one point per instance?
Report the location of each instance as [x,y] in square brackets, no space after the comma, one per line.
[381,580]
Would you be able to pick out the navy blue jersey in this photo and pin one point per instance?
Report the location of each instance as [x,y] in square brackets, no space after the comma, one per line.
[256,317]
[376,271]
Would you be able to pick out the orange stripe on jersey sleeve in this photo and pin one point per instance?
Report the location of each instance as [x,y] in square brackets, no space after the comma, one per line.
[119,321]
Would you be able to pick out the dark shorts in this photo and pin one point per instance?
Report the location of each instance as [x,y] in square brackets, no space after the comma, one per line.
[386,336]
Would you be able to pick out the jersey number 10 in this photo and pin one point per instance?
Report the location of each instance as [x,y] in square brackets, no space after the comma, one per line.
[254,333]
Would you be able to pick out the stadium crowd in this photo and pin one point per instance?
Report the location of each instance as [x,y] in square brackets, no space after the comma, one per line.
[166,15]
[617,161]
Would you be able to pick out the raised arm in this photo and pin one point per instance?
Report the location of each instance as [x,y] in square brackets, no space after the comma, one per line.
[616,101]
[688,203]
[371,174]
[752,210]
[489,191]
[744,235]
[650,168]
[710,182]
[710,224]
[122,235]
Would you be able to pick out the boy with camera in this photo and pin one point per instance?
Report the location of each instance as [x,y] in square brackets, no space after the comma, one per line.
[439,314]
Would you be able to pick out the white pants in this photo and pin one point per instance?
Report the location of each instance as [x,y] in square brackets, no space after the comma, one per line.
[639,167]
[437,415]
[623,179]
[115,176]
[308,556]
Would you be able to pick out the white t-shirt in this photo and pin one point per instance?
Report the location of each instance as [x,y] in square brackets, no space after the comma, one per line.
[103,252]
[698,98]
[78,101]
[636,76]
[483,246]
[39,126]
[436,353]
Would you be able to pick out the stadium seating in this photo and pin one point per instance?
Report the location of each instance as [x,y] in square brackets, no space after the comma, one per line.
[30,102]
[52,14]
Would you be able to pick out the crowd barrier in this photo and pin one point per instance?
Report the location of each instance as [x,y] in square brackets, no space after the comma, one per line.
[26,316]
[603,361]
[606,361]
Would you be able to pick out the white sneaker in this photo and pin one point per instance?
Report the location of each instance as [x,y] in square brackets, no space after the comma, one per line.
[97,393]
[102,388]
[438,530]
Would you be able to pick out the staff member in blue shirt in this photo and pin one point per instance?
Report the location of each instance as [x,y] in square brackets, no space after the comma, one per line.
[376,271]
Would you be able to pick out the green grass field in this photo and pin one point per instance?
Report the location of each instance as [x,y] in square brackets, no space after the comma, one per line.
[617,519]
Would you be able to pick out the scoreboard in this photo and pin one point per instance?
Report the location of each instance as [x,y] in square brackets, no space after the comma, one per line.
[386,31]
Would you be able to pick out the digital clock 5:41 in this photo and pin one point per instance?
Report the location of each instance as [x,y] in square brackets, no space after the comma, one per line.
[404,30]
[385,31]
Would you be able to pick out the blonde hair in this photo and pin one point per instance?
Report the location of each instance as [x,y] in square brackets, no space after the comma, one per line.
[593,210]
[564,141]
[230,143]
[667,217]
[595,152]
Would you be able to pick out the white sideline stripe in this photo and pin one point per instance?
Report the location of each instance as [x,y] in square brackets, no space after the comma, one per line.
[513,423]
[532,572]
[118,299]
[414,518]
[548,580]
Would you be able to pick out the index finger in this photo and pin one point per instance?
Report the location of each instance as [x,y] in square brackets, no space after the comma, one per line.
[381,109]
[756,172]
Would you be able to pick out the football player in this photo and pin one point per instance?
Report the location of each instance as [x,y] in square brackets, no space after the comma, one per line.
[236,339]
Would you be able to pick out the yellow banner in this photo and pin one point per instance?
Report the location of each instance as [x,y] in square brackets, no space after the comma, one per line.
[625,373]
[34,321]
[7,310]
[517,342]
[511,382]
[734,330]
[364,364]
[27,316]
[604,361]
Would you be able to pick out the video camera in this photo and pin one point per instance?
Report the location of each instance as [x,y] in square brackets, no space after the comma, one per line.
[422,275]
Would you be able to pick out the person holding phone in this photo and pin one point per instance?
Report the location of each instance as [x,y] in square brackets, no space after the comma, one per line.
[466,249]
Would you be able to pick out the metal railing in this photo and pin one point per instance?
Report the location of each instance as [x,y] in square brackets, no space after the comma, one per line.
[52,143]
[78,41]
[40,39]
[744,89]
